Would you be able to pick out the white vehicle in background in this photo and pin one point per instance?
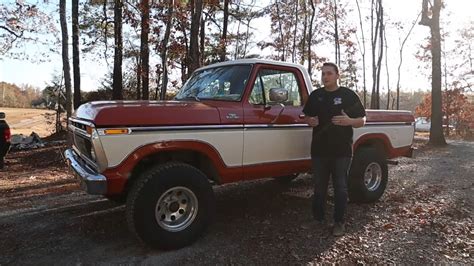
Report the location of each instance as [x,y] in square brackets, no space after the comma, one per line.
[422,124]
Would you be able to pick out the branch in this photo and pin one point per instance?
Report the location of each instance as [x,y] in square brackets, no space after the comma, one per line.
[12,32]
[425,19]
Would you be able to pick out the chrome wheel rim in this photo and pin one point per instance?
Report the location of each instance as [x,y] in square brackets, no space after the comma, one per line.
[373,176]
[176,209]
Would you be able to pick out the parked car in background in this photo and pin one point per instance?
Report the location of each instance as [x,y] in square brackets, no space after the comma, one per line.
[422,124]
[4,139]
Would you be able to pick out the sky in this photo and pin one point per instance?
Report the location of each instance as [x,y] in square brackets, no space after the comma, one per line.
[459,12]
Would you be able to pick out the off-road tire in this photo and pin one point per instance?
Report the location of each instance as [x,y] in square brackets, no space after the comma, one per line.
[364,159]
[141,209]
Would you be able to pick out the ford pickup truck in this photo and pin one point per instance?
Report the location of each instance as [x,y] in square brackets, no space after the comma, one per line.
[231,121]
[4,139]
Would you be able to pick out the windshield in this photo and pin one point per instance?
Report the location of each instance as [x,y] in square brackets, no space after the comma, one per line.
[220,83]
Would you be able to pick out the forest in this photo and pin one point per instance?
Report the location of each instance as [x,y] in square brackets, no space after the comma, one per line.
[151,47]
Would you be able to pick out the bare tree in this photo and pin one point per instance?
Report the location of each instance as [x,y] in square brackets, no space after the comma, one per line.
[164,49]
[117,83]
[401,60]
[65,56]
[75,53]
[376,37]
[436,130]
[223,44]
[144,50]
[196,13]
[362,54]
[310,36]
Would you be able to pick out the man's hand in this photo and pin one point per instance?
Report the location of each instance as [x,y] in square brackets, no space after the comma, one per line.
[342,120]
[312,121]
[345,120]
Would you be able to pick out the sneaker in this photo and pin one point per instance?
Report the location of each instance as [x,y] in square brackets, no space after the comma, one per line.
[339,229]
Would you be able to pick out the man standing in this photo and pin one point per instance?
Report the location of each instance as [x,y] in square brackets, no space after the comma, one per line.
[333,112]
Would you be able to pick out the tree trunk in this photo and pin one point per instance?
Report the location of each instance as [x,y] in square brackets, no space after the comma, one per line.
[194,38]
[401,60]
[282,42]
[293,54]
[310,37]
[65,56]
[436,130]
[363,54]
[305,29]
[75,53]
[144,50]
[117,86]
[381,47]
[223,44]
[336,37]
[202,37]
[164,50]
[386,68]
[139,76]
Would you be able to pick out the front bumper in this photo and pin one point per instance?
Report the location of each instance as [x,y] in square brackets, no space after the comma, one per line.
[91,181]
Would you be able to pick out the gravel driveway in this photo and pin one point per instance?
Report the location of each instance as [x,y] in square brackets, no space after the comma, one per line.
[425,216]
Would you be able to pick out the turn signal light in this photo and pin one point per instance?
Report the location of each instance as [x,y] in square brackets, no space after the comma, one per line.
[116,131]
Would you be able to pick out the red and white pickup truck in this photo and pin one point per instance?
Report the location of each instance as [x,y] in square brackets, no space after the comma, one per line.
[230,122]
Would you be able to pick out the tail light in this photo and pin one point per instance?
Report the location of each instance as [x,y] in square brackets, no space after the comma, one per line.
[7,135]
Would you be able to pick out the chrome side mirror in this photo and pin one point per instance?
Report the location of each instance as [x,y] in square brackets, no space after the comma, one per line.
[278,95]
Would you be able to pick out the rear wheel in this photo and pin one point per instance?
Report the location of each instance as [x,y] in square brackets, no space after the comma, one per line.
[368,175]
[170,206]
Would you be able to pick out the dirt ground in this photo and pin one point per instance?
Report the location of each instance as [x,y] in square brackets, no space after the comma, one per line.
[425,216]
[24,120]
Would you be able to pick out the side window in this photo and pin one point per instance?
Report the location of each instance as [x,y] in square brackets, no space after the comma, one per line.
[268,79]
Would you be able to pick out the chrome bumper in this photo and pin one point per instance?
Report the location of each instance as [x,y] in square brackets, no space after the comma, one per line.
[91,182]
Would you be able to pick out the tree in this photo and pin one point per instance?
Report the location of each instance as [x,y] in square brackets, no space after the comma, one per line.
[223,43]
[436,130]
[362,51]
[65,57]
[376,37]
[164,49]
[23,23]
[117,93]
[75,53]
[401,60]
[193,57]
[144,50]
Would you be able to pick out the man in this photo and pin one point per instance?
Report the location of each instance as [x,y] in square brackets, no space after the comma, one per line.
[333,112]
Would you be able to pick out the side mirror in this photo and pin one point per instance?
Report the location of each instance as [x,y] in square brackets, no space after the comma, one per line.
[278,95]
[2,115]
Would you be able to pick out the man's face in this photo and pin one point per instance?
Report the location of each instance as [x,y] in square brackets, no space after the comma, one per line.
[329,76]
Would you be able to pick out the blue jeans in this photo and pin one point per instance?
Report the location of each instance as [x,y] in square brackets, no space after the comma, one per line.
[337,168]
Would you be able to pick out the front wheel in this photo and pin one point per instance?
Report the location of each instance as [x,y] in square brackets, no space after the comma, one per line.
[170,206]
[368,175]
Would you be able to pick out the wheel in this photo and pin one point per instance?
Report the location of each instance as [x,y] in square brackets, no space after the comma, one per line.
[285,179]
[368,175]
[119,199]
[170,206]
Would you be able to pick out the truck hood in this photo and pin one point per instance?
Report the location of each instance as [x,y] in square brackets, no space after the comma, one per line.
[147,113]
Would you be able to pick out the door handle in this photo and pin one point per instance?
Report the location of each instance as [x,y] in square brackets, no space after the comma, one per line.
[302,116]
